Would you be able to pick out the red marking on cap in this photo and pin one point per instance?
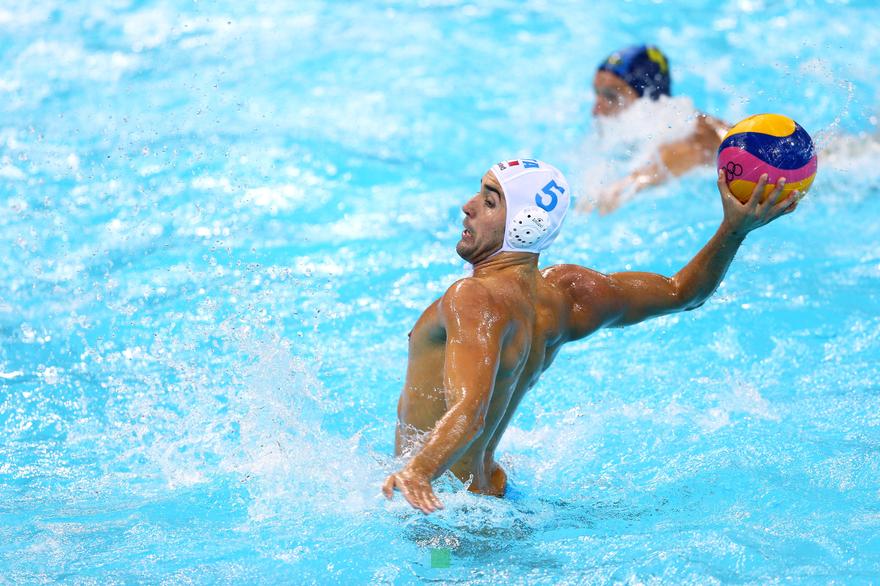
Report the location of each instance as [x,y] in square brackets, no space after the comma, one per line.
[513,163]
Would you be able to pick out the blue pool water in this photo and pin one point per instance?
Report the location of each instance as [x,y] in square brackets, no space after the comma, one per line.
[220,220]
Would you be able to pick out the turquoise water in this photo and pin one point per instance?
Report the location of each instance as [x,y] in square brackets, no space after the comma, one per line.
[221,219]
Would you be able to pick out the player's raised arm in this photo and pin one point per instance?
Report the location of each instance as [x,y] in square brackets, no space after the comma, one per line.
[622,299]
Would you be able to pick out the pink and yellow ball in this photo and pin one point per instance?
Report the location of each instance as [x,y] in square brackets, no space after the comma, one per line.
[771,144]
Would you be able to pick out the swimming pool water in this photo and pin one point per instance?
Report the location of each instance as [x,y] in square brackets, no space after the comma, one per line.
[220,220]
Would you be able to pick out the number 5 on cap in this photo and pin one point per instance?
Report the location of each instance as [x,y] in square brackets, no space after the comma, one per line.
[548,190]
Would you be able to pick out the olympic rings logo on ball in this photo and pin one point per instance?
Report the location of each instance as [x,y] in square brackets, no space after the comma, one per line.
[732,170]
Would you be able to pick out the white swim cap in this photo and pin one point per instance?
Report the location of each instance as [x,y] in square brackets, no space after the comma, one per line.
[537,197]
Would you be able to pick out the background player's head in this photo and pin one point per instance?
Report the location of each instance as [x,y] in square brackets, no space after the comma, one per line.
[627,75]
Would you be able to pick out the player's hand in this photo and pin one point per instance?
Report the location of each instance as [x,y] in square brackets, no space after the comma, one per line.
[742,218]
[416,489]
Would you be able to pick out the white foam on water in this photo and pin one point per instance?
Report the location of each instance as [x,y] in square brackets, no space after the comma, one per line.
[850,153]
[279,451]
[658,121]
[629,140]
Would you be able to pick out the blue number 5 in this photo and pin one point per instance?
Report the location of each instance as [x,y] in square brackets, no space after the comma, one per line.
[548,190]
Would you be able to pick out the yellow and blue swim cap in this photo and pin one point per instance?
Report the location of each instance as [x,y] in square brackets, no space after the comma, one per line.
[643,67]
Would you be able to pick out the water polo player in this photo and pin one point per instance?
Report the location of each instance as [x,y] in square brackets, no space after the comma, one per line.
[622,79]
[476,351]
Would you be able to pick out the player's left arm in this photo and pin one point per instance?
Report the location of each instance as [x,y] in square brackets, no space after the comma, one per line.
[639,296]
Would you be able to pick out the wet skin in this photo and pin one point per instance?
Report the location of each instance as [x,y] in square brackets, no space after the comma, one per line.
[475,352]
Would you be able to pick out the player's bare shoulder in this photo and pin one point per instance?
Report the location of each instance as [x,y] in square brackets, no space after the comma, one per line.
[469,301]
[588,296]
[579,284]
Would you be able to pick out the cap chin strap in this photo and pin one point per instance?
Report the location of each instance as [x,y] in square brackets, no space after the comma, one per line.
[470,266]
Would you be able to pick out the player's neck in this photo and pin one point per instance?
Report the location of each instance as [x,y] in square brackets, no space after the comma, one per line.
[506,261]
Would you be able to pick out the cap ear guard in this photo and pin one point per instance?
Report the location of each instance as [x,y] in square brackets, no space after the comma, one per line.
[528,226]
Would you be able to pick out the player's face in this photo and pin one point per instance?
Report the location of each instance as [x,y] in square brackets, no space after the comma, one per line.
[485,215]
[613,95]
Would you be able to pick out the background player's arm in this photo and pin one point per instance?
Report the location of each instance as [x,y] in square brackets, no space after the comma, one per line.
[673,159]
[699,148]
[623,299]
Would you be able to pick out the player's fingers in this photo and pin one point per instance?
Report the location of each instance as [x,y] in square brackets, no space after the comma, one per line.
[409,495]
[436,501]
[755,198]
[723,187]
[388,487]
[425,501]
[787,205]
[774,197]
